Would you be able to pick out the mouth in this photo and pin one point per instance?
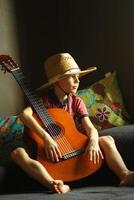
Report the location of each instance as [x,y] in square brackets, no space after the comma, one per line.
[75,87]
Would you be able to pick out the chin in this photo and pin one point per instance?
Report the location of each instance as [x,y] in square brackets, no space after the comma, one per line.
[74,91]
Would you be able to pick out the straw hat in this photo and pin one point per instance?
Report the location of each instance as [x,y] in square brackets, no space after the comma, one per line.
[60,65]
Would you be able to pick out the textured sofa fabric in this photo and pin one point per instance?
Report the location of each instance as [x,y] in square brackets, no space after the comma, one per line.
[101,185]
[85,193]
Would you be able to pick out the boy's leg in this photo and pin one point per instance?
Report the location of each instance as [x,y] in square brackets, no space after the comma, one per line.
[114,160]
[36,170]
[124,141]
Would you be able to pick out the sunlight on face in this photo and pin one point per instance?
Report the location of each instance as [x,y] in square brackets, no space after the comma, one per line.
[70,83]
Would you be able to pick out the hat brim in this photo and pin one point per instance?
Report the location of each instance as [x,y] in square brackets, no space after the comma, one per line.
[59,77]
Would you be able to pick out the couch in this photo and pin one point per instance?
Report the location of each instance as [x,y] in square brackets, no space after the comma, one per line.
[15,184]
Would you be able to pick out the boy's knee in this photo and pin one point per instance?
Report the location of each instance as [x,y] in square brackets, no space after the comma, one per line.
[17,153]
[106,141]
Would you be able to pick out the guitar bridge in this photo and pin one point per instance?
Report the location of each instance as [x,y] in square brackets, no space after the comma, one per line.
[72,154]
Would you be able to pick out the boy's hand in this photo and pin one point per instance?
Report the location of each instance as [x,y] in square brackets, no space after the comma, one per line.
[51,149]
[93,151]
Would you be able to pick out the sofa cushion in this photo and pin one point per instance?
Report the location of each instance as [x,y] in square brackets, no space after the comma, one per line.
[105,104]
[11,136]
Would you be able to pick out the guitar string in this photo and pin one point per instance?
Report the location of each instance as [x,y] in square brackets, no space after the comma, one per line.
[61,143]
[61,140]
[51,129]
[65,145]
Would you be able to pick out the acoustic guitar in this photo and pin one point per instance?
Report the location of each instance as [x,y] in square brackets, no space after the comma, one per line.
[74,164]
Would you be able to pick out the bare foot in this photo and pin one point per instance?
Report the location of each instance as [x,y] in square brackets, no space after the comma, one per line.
[128,180]
[60,187]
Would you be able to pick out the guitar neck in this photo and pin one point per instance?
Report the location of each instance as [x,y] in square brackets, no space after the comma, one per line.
[33,98]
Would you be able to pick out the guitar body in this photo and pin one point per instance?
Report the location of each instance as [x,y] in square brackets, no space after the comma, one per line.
[69,139]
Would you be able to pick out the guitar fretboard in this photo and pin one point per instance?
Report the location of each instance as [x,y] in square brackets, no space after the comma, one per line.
[36,102]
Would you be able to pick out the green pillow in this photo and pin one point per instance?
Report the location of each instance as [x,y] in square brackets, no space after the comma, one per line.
[105,103]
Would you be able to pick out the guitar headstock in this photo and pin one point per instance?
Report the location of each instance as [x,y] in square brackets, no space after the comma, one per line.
[7,63]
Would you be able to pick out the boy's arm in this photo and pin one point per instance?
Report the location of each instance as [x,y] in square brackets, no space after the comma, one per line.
[93,150]
[27,118]
[91,131]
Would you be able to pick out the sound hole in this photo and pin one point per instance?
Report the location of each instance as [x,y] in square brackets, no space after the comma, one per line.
[54,130]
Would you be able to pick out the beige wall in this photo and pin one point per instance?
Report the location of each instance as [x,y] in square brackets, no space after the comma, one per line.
[11,96]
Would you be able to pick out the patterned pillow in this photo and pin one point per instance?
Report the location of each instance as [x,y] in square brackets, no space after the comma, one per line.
[11,136]
[105,103]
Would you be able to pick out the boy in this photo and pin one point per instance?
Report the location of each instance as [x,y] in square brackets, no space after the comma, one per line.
[63,76]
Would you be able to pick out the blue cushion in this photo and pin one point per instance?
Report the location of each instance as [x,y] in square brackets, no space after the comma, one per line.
[11,137]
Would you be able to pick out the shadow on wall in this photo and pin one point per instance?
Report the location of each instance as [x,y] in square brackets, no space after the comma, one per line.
[11,96]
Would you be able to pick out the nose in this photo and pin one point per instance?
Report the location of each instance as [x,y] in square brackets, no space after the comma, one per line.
[77,79]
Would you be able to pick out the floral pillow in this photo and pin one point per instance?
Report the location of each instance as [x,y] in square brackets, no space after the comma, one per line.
[11,136]
[105,103]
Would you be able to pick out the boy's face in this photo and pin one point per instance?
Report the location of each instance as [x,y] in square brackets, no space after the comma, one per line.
[70,83]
